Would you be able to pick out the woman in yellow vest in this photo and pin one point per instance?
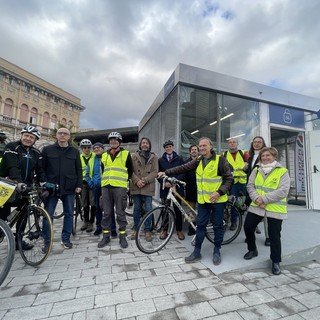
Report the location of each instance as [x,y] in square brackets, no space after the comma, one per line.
[268,187]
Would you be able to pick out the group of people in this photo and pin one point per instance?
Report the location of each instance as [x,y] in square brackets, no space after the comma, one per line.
[235,173]
[102,179]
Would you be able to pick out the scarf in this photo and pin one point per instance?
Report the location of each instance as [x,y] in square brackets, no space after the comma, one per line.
[268,167]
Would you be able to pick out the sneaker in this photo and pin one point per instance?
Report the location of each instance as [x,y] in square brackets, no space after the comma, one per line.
[84,226]
[114,234]
[25,246]
[180,235]
[45,248]
[89,227]
[67,244]
[163,235]
[97,232]
[104,241]
[148,236]
[216,257]
[123,242]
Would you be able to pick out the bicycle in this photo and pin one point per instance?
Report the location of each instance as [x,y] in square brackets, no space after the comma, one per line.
[7,250]
[163,218]
[129,209]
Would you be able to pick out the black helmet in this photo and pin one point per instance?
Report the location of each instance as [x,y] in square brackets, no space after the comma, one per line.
[115,135]
[168,143]
[32,130]
[3,136]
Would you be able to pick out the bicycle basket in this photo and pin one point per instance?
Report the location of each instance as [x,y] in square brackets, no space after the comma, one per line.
[7,191]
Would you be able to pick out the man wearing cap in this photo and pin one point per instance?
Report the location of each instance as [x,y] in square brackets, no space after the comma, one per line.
[117,170]
[171,159]
[93,179]
[87,195]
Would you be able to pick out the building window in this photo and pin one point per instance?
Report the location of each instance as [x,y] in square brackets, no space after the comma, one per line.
[46,120]
[53,123]
[24,113]
[33,116]
[8,108]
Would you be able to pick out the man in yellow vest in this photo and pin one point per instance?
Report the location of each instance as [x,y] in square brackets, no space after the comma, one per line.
[87,194]
[238,160]
[214,180]
[117,170]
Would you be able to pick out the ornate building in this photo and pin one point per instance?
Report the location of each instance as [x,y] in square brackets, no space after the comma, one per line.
[27,99]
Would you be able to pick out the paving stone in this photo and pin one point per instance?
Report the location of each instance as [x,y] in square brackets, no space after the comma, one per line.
[72,306]
[64,275]
[256,297]
[38,312]
[287,306]
[140,274]
[125,268]
[56,296]
[17,302]
[171,301]
[77,283]
[142,259]
[159,280]
[94,290]
[313,314]
[167,270]
[96,271]
[261,312]
[163,315]
[279,280]
[133,309]
[206,282]
[204,294]
[151,265]
[195,311]
[294,317]
[305,286]
[24,280]
[310,299]
[231,288]
[226,316]
[255,275]
[128,284]
[6,292]
[181,276]
[179,287]
[148,293]
[192,266]
[111,277]
[227,304]
[108,313]
[282,292]
[160,257]
[256,284]
[114,298]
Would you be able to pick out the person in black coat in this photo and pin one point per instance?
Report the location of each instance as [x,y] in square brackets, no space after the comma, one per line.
[171,159]
[21,163]
[191,183]
[62,167]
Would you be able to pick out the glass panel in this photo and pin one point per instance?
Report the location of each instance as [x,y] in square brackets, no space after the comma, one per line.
[217,116]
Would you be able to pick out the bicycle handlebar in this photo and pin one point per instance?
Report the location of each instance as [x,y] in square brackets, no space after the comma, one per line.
[173,180]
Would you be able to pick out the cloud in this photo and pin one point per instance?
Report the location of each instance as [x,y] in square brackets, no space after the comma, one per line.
[117,55]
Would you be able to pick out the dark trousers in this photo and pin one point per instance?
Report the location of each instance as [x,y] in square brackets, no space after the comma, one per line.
[274,229]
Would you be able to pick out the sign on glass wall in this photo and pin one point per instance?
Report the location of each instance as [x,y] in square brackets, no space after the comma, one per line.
[286,116]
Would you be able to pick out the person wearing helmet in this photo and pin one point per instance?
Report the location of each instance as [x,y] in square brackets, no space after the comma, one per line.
[117,170]
[62,166]
[87,194]
[21,162]
[3,138]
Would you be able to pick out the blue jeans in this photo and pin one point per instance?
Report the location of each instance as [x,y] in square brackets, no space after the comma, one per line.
[238,189]
[216,211]
[138,201]
[50,205]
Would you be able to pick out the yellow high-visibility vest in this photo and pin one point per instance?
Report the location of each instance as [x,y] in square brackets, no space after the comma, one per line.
[239,175]
[271,183]
[115,173]
[208,181]
[84,164]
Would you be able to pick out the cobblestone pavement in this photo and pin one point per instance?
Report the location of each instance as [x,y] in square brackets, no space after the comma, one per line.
[113,283]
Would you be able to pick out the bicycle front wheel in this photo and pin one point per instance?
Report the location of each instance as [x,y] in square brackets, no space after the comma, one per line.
[30,231]
[7,250]
[229,235]
[160,222]
[77,211]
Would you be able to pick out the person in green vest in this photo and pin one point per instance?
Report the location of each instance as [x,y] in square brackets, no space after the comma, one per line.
[238,160]
[87,194]
[117,170]
[214,180]
[268,188]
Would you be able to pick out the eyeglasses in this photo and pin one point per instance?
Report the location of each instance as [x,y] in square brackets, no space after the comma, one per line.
[63,133]
[86,147]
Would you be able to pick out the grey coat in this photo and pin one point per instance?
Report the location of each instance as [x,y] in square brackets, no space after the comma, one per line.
[144,171]
[273,196]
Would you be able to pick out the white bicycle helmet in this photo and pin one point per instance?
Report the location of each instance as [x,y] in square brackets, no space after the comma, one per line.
[32,130]
[85,143]
[115,135]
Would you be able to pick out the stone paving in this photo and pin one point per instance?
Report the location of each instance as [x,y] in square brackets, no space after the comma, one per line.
[113,283]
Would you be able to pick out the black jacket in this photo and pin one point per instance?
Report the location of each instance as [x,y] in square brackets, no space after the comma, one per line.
[62,166]
[21,164]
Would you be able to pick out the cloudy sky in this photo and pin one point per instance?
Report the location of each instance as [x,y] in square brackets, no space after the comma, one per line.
[116,55]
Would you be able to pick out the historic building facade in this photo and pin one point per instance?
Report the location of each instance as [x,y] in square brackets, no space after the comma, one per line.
[28,99]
